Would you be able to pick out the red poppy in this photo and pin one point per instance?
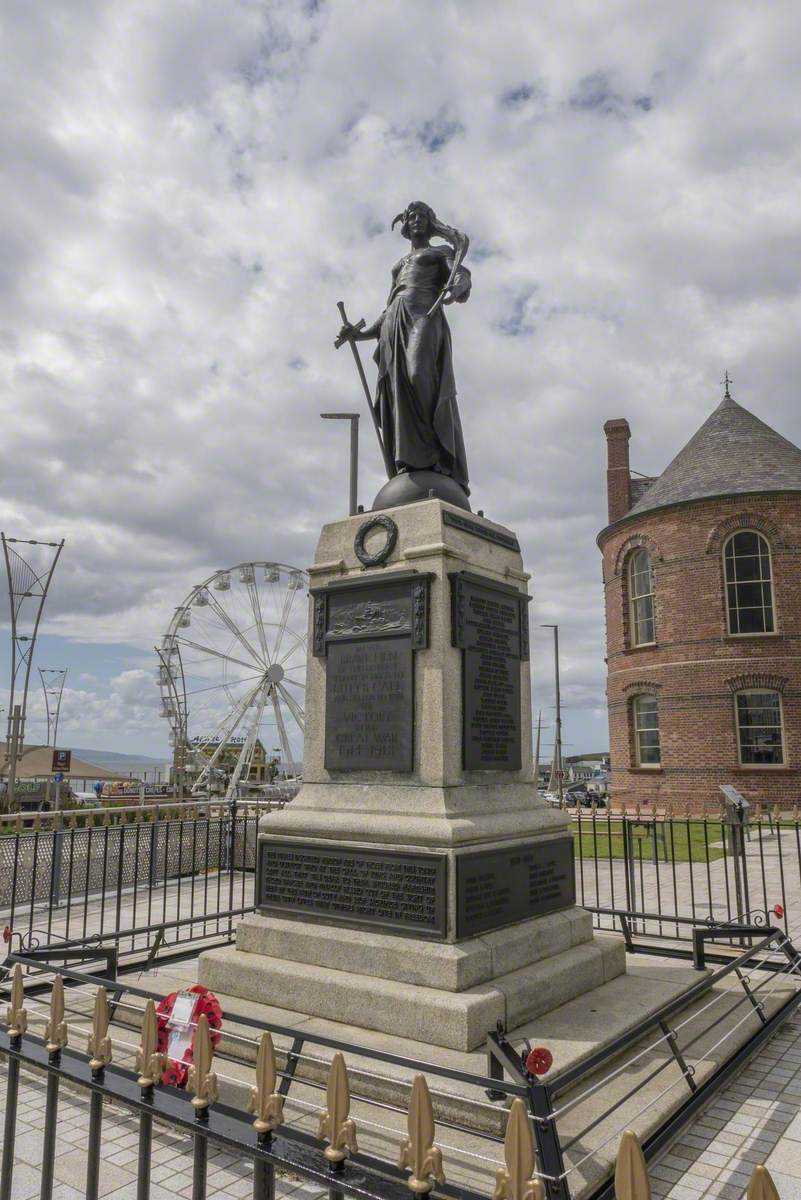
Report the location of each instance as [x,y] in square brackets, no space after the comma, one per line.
[539,1061]
[778,910]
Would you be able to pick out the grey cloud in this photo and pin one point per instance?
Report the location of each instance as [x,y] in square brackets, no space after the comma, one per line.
[191,190]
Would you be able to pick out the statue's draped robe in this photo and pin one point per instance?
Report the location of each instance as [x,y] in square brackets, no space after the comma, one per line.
[416,390]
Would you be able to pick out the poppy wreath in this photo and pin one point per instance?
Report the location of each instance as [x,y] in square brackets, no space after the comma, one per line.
[176,1073]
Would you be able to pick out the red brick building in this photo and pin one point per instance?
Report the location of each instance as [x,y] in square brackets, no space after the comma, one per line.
[702,578]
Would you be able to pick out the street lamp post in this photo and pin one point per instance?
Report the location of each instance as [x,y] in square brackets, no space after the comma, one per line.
[557,748]
[354,454]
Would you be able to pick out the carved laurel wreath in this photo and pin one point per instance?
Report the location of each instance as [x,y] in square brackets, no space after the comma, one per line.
[382,554]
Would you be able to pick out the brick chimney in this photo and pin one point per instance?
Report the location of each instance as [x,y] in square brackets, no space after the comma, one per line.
[618,476]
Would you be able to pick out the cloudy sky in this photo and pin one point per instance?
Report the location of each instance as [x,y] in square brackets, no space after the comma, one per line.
[188,189]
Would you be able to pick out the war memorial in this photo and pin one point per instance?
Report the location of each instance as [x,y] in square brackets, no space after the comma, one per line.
[417,884]
[448,1019]
[418,897]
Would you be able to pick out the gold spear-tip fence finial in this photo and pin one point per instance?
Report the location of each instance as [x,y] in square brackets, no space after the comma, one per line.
[516,1180]
[56,1028]
[631,1171]
[202,1080]
[149,1063]
[265,1103]
[99,1044]
[16,1016]
[418,1152]
[336,1127]
[762,1186]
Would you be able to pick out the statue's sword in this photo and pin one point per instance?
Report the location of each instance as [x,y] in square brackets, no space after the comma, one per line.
[388,463]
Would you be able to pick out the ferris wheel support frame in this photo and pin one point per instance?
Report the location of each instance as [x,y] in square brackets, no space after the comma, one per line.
[246,753]
[226,729]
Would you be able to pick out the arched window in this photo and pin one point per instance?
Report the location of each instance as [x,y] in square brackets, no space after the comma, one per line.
[759,728]
[640,579]
[749,586]
[645,721]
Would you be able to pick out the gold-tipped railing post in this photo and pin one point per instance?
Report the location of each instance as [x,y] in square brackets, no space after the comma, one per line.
[336,1125]
[517,1181]
[99,1050]
[16,1025]
[267,1105]
[631,1171]
[418,1152]
[203,1082]
[56,1039]
[149,1064]
[762,1186]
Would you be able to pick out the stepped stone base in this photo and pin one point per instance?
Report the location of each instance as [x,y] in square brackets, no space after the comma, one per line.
[443,994]
[417,887]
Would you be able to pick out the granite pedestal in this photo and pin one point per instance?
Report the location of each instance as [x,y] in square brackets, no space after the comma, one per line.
[417,884]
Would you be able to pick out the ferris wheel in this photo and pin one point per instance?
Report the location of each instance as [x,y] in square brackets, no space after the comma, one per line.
[232,671]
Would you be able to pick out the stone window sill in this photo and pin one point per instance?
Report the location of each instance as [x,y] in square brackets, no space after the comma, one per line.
[744,637]
[749,768]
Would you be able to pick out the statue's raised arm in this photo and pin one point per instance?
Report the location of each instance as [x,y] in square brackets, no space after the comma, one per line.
[415,400]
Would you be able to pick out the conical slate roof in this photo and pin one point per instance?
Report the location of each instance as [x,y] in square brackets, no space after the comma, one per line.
[732,453]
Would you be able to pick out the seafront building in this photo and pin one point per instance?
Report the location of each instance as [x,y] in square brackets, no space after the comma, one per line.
[703,617]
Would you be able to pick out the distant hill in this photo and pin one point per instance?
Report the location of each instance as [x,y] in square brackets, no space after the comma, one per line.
[121,764]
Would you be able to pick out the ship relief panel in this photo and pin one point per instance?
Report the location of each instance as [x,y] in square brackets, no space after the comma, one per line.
[368,631]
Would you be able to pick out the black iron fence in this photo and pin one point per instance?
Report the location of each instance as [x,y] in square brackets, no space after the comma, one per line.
[527,1136]
[132,877]
[736,865]
[148,878]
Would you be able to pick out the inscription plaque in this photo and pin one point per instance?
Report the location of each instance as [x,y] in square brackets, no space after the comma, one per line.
[498,887]
[368,630]
[490,623]
[400,892]
[486,532]
[369,705]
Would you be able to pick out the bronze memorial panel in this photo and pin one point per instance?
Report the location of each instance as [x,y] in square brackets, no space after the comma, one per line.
[498,887]
[369,705]
[403,893]
[368,630]
[490,624]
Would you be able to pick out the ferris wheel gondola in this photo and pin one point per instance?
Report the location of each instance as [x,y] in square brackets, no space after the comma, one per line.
[232,669]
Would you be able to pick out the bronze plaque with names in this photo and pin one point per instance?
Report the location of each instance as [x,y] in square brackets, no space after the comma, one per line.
[490,624]
[499,887]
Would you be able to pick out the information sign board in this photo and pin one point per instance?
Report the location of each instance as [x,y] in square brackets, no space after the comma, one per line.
[62,760]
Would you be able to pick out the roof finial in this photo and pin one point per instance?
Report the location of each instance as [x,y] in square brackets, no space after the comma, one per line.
[726,381]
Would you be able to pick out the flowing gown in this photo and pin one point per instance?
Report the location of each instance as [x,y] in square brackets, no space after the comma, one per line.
[416,390]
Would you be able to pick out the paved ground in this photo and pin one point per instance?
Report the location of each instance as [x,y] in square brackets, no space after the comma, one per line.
[174,900]
[171,1174]
[757,1119]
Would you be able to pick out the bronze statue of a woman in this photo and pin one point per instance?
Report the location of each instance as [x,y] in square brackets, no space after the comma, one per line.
[415,403]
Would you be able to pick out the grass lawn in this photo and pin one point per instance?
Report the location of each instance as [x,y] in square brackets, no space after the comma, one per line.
[684,841]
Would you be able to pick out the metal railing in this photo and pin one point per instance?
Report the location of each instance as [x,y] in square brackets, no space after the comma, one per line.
[330,1158]
[688,867]
[172,874]
[669,1053]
